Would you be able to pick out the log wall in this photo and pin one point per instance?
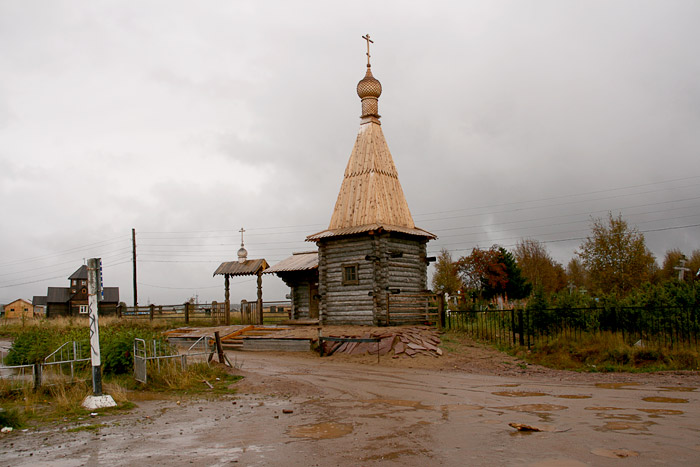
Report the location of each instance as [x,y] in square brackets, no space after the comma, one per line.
[365,302]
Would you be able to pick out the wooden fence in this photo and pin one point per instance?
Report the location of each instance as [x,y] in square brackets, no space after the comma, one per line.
[274,312]
[216,312]
[406,308]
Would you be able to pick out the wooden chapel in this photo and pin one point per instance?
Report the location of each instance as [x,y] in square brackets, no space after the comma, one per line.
[372,246]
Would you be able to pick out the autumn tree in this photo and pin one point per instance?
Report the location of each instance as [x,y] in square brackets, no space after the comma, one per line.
[576,273]
[615,256]
[694,264]
[538,267]
[672,259]
[446,278]
[493,272]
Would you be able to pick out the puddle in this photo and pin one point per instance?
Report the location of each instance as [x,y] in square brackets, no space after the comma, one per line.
[326,430]
[615,385]
[460,407]
[512,385]
[393,455]
[400,403]
[622,426]
[677,388]
[619,416]
[518,394]
[534,408]
[559,462]
[670,400]
[600,409]
[615,453]
[573,396]
[662,411]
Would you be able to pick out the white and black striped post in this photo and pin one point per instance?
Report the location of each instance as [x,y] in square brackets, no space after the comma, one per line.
[95,295]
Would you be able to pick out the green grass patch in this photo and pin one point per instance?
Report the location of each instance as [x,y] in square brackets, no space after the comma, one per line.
[80,428]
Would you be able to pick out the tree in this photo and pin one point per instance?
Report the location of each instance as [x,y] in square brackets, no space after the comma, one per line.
[576,274]
[446,278]
[482,271]
[694,265]
[538,267]
[615,256]
[672,259]
[493,272]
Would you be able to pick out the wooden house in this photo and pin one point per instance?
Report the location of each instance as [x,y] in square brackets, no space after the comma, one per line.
[300,273]
[19,309]
[73,300]
[372,246]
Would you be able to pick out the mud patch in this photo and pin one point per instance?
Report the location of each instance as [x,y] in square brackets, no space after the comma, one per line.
[623,426]
[461,407]
[394,455]
[669,400]
[615,453]
[619,416]
[326,430]
[677,388]
[534,408]
[400,403]
[615,385]
[519,394]
[601,409]
[662,411]
[573,396]
[512,385]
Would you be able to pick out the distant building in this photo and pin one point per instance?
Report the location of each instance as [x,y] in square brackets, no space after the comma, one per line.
[73,300]
[20,308]
[39,302]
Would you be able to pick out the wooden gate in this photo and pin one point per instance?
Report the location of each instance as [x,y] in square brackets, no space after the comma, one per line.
[407,308]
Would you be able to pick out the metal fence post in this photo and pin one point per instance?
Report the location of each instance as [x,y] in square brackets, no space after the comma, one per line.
[441,310]
[521,328]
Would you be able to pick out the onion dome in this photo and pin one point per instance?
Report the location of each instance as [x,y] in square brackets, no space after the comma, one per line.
[369,89]
[242,255]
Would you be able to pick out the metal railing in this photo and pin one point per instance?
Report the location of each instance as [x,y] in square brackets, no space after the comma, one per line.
[142,360]
[670,327]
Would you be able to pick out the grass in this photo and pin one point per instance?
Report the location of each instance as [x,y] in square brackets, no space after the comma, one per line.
[60,399]
[608,352]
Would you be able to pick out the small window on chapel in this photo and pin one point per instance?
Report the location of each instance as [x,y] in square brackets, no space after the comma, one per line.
[350,275]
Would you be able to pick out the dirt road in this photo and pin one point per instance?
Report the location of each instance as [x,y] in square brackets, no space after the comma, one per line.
[345,413]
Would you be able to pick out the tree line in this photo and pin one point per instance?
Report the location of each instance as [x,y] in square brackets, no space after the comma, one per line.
[612,263]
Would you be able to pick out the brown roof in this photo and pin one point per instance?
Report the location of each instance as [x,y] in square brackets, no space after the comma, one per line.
[80,273]
[367,228]
[297,262]
[247,268]
[371,192]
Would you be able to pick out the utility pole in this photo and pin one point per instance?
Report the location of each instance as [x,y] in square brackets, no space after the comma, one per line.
[133,256]
[97,400]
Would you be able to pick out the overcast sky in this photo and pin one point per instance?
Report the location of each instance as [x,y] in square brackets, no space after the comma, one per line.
[190,120]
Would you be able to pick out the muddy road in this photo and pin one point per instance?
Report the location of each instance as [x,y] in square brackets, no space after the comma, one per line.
[302,410]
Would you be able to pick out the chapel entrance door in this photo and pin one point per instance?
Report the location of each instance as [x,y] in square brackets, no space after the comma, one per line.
[313,300]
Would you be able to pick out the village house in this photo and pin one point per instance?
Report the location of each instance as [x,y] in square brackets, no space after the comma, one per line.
[371,248]
[73,300]
[18,309]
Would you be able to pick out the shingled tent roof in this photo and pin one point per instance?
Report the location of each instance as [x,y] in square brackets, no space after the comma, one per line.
[247,268]
[371,194]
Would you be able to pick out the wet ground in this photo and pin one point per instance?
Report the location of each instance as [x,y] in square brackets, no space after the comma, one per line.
[297,410]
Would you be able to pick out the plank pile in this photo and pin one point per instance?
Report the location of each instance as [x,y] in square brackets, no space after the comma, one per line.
[410,341]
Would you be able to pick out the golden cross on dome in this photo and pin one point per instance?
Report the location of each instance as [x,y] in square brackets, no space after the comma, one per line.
[366,37]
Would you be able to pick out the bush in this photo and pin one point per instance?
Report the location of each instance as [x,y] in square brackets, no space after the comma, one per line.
[10,417]
[34,344]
